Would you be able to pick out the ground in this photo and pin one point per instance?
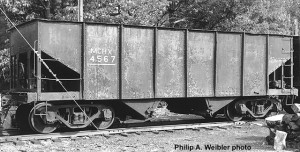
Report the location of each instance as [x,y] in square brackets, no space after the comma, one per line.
[246,137]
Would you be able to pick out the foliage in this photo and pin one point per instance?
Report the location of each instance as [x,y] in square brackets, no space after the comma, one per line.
[135,12]
[255,16]
[203,14]
[20,11]
[4,63]
[263,17]
[258,16]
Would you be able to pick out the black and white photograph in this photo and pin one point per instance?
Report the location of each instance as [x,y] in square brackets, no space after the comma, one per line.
[149,76]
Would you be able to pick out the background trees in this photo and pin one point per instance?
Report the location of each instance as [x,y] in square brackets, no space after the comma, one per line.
[274,16]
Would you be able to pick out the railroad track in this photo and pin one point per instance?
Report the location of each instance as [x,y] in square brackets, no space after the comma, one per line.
[108,132]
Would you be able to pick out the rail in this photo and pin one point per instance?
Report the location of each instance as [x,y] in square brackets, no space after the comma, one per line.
[106,132]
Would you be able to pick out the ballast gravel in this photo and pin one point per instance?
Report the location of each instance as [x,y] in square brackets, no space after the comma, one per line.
[249,136]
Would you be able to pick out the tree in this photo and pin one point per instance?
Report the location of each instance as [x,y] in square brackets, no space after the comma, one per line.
[135,12]
[202,14]
[255,16]
[264,16]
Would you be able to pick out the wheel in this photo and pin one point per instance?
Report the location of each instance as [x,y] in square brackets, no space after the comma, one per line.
[231,113]
[38,119]
[106,117]
[22,115]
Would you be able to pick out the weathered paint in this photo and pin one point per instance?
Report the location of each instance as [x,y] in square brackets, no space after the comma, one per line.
[215,104]
[137,63]
[279,51]
[18,44]
[143,107]
[200,64]
[228,73]
[101,76]
[177,60]
[45,96]
[170,64]
[255,65]
[62,41]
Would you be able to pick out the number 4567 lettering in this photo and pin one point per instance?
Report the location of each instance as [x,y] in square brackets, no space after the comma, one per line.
[100,58]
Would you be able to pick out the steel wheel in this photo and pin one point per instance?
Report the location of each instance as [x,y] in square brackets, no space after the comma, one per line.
[106,117]
[231,113]
[38,121]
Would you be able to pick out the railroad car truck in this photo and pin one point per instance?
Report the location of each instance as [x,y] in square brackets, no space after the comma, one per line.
[74,73]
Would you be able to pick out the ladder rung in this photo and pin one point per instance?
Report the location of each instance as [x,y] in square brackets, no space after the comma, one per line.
[288,77]
[288,64]
[50,60]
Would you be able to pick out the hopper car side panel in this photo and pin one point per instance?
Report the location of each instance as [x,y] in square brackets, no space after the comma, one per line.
[228,65]
[53,39]
[119,62]
[18,44]
[137,63]
[280,48]
[147,62]
[200,64]
[101,68]
[255,75]
[170,64]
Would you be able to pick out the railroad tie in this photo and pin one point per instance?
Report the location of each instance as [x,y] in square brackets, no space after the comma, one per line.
[106,136]
[196,129]
[91,136]
[219,127]
[124,134]
[19,143]
[57,140]
[10,139]
[36,142]
[74,138]
[138,133]
[207,128]
[155,132]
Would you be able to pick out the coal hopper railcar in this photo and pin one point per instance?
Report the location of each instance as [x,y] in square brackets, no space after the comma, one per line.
[104,72]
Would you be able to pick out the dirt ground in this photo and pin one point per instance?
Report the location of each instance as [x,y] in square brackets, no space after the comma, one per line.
[246,137]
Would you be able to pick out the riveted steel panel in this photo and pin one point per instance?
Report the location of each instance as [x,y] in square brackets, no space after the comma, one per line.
[101,69]
[170,77]
[18,44]
[62,41]
[137,63]
[279,51]
[255,60]
[228,73]
[200,64]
